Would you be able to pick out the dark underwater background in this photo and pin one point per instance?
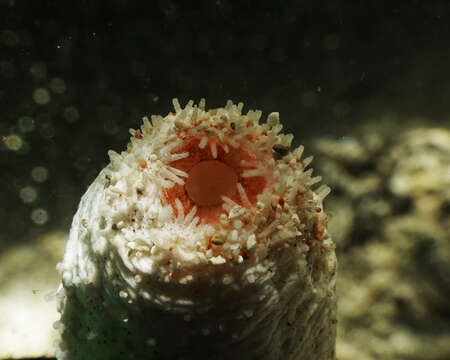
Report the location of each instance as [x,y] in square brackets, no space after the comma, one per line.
[364,85]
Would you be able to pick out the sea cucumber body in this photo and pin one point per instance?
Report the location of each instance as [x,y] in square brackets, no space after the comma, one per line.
[142,279]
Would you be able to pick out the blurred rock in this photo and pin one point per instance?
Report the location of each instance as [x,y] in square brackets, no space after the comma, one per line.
[390,206]
[421,165]
[27,275]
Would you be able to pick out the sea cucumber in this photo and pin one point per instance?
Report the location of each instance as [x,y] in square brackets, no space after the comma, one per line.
[202,240]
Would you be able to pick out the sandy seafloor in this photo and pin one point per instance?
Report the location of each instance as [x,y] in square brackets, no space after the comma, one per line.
[363,86]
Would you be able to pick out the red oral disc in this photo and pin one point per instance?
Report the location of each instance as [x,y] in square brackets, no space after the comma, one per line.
[209,180]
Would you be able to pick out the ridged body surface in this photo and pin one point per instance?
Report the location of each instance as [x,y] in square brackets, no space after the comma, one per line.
[149,274]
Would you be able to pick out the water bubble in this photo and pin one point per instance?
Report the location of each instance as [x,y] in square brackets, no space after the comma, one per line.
[13,142]
[39,216]
[47,130]
[71,114]
[58,85]
[38,70]
[331,42]
[26,124]
[39,174]
[25,149]
[28,194]
[41,96]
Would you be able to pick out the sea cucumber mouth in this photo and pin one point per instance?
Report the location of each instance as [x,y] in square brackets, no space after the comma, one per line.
[210,186]
[208,181]
[217,173]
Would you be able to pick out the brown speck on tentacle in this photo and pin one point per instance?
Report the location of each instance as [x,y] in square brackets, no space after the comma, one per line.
[280,151]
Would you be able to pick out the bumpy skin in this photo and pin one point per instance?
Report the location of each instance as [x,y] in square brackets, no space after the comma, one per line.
[142,281]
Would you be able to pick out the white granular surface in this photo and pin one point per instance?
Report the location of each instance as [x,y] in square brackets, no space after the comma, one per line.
[148,274]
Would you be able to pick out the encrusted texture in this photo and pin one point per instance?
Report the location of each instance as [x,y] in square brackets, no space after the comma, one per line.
[150,274]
